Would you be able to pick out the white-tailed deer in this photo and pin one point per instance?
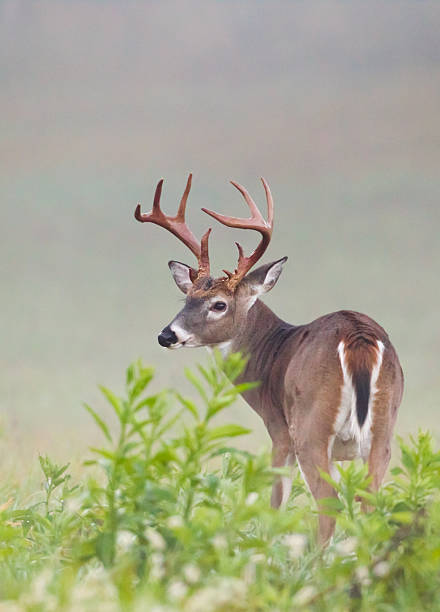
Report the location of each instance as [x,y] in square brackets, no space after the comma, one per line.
[330,389]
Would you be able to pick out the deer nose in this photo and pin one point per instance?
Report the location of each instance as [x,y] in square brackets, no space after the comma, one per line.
[167,337]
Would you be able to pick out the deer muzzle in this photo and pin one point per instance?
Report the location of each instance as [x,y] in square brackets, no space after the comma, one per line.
[167,337]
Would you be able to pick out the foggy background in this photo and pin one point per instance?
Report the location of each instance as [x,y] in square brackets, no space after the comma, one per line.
[335,104]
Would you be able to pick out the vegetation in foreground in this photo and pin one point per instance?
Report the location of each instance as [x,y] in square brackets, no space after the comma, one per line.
[170,517]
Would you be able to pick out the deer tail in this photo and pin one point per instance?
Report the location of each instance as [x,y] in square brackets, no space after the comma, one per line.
[361,360]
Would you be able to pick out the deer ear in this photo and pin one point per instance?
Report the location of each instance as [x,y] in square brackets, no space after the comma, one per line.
[265,277]
[182,275]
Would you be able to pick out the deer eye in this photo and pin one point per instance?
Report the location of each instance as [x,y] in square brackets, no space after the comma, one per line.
[219,306]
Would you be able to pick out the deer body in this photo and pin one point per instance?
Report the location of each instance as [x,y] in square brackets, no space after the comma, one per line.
[309,405]
[330,389]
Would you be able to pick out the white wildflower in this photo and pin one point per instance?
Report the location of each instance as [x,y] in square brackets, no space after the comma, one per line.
[347,546]
[191,573]
[251,498]
[296,544]
[73,504]
[219,542]
[38,593]
[177,589]
[155,539]
[250,572]
[96,584]
[124,540]
[157,571]
[174,522]
[40,584]
[224,594]
[363,575]
[304,595]
[381,569]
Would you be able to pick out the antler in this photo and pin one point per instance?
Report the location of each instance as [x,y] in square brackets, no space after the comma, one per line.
[177,226]
[255,222]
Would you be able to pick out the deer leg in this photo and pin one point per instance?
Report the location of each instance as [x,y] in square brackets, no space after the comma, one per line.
[379,454]
[282,456]
[312,458]
[378,461]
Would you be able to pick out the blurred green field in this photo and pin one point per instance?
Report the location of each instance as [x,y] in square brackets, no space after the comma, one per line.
[336,105]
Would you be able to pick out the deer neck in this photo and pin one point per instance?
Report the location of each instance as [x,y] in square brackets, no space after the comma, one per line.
[261,339]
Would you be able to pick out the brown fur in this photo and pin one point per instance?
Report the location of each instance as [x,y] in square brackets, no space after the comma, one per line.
[207,287]
[361,342]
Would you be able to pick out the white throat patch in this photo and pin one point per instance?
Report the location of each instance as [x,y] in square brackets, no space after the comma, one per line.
[223,347]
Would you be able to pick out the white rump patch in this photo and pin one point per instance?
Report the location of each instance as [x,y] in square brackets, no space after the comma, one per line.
[346,425]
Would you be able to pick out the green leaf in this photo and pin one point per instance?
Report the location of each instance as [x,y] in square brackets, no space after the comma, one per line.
[148,401]
[105,548]
[104,453]
[137,427]
[141,383]
[112,399]
[331,504]
[367,496]
[168,425]
[196,383]
[189,405]
[227,431]
[326,476]
[130,374]
[234,365]
[216,404]
[397,471]
[233,451]
[247,386]
[59,471]
[403,517]
[98,420]
[208,375]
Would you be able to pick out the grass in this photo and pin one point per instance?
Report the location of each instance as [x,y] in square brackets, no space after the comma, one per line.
[168,515]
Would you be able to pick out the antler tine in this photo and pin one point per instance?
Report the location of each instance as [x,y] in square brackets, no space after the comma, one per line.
[157,195]
[255,222]
[177,226]
[269,201]
[156,213]
[249,201]
[204,254]
[236,221]
[182,205]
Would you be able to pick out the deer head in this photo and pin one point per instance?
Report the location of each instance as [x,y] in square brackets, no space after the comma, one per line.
[216,309]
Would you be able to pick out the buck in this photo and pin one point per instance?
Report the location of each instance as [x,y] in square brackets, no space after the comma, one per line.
[330,389]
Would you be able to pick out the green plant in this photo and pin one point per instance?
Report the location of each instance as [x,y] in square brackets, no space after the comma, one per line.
[170,516]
